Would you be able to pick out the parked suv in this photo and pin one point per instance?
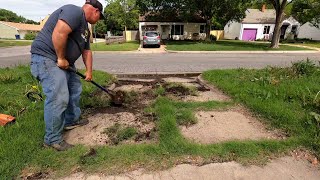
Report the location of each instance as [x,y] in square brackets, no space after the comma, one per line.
[151,38]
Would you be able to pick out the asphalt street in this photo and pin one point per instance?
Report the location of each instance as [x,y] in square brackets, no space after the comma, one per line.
[152,63]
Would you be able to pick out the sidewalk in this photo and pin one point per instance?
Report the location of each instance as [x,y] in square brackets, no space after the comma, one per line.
[302,46]
[283,169]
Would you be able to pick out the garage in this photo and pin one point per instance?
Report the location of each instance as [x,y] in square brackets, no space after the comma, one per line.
[249,34]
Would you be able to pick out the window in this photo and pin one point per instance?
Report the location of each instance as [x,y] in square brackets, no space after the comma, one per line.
[152,34]
[266,30]
[177,29]
[294,29]
[202,28]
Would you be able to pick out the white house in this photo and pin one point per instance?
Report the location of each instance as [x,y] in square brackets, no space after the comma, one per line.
[308,31]
[13,30]
[259,24]
[173,28]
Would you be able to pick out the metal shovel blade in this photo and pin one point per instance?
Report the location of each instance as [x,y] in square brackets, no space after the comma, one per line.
[117,97]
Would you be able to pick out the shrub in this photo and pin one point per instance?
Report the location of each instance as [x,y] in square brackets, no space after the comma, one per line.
[30,36]
[213,37]
[304,68]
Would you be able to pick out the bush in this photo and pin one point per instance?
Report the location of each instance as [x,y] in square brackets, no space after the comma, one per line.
[304,68]
[213,37]
[30,36]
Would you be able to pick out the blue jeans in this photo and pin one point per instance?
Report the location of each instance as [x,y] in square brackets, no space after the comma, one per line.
[62,90]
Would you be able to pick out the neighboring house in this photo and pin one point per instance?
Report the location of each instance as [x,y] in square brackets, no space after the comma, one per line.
[308,31]
[13,30]
[259,25]
[173,28]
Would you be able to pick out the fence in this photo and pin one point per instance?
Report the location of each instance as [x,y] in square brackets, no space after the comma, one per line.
[114,39]
[218,33]
[132,35]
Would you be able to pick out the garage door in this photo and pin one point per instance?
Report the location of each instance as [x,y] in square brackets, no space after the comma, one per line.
[249,34]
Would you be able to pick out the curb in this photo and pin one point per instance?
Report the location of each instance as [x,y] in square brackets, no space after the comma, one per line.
[243,52]
[205,52]
[158,74]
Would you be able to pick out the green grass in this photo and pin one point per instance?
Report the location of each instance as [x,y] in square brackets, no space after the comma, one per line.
[9,43]
[128,46]
[225,46]
[283,96]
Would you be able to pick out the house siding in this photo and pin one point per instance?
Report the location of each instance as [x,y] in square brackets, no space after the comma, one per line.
[189,29]
[308,31]
[232,30]
[7,31]
[259,27]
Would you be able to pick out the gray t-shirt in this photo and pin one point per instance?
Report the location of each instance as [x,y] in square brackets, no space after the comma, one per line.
[78,39]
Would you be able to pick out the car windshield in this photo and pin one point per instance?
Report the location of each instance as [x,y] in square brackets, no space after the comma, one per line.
[151,34]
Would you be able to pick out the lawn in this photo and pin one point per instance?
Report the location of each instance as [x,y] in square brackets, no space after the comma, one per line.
[285,97]
[128,46]
[9,43]
[225,46]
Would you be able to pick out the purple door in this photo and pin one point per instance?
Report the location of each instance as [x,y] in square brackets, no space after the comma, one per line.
[249,34]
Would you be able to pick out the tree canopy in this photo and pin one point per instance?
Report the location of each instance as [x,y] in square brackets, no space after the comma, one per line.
[6,15]
[307,11]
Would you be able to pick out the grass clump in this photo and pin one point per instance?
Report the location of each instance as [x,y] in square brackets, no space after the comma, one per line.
[131,96]
[118,133]
[180,89]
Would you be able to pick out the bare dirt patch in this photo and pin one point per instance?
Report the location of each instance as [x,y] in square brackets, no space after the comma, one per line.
[234,124]
[212,126]
[132,123]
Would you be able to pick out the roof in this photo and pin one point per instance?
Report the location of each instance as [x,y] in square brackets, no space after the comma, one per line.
[149,17]
[22,26]
[256,16]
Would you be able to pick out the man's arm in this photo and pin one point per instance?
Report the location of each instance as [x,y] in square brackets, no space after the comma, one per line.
[59,40]
[87,60]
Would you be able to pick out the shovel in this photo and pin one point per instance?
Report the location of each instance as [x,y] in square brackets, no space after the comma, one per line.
[116,97]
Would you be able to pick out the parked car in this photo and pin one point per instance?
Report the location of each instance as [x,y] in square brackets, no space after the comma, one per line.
[151,38]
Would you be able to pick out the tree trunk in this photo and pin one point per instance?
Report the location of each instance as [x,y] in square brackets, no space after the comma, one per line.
[208,28]
[277,31]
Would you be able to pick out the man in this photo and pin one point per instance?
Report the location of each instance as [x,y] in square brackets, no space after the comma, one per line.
[64,37]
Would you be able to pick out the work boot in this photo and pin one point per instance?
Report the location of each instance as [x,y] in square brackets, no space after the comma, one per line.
[62,146]
[79,123]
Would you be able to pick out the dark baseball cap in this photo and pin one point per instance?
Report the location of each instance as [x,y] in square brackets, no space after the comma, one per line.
[96,4]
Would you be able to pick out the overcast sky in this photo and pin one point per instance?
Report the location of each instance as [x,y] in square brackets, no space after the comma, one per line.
[37,9]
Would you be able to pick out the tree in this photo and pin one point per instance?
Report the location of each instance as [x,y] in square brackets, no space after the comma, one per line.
[121,15]
[307,11]
[279,6]
[6,15]
[218,12]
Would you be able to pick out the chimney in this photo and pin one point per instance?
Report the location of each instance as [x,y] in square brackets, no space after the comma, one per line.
[263,8]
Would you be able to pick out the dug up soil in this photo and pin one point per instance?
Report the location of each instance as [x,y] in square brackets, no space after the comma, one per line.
[232,124]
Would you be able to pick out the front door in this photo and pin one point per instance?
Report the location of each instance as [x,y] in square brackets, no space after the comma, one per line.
[165,29]
[249,34]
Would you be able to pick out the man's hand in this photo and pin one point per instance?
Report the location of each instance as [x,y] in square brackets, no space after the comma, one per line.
[88,76]
[63,63]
